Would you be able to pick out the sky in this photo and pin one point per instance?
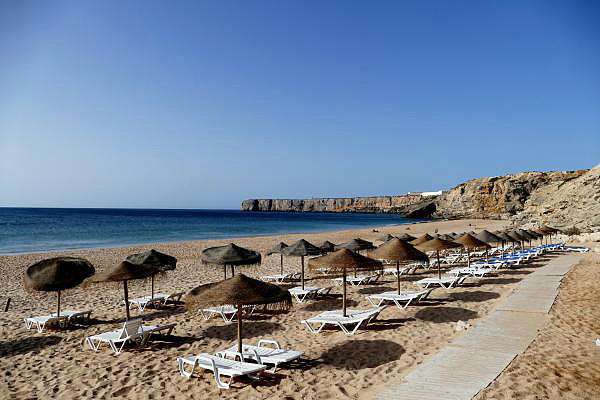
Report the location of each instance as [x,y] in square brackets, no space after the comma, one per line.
[201,104]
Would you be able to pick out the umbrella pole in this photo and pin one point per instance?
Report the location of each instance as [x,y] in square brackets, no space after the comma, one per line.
[438,258]
[302,262]
[344,293]
[152,279]
[232,270]
[126,293]
[239,328]
[281,263]
[58,309]
[398,274]
[468,258]
[224,271]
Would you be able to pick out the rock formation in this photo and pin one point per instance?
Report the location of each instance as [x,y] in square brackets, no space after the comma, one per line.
[561,198]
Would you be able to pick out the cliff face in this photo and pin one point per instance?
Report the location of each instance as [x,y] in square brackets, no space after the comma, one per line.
[497,197]
[380,204]
[561,199]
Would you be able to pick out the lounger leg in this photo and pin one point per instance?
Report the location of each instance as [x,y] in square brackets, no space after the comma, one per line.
[310,328]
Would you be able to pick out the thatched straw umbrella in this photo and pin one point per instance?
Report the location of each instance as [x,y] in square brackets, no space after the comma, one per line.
[124,272]
[535,234]
[238,291]
[301,249]
[488,237]
[231,255]
[399,251]
[518,237]
[470,242]
[528,236]
[385,238]
[437,245]
[421,239]
[278,249]
[152,257]
[357,245]
[327,246]
[406,237]
[57,274]
[341,260]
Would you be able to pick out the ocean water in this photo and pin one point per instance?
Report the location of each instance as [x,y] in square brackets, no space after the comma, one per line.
[25,230]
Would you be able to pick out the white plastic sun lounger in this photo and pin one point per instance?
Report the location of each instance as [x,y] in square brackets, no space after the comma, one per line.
[41,321]
[226,312]
[158,299]
[403,270]
[132,330]
[266,352]
[219,366]
[406,297]
[73,314]
[309,292]
[477,272]
[349,324]
[358,280]
[280,278]
[577,249]
[445,282]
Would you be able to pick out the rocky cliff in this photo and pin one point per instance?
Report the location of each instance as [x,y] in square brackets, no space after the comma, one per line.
[559,198]
[404,204]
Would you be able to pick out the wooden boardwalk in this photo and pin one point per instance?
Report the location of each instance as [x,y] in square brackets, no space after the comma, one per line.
[472,361]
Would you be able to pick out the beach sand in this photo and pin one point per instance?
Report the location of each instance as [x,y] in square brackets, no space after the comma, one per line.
[55,363]
[563,362]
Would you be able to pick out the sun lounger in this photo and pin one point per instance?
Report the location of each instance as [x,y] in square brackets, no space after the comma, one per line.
[472,271]
[41,321]
[358,280]
[406,297]
[266,352]
[407,269]
[66,317]
[158,299]
[349,324]
[309,292]
[132,330]
[577,249]
[445,282]
[226,312]
[280,278]
[219,366]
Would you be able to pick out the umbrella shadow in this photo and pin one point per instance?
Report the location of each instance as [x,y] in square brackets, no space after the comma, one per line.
[160,313]
[160,342]
[30,344]
[475,296]
[446,314]
[249,330]
[327,305]
[361,354]
[501,281]
[386,324]
[375,290]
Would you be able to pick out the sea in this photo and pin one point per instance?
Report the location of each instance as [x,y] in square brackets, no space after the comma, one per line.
[29,230]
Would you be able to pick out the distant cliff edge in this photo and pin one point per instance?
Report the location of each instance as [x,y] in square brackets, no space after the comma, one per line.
[559,198]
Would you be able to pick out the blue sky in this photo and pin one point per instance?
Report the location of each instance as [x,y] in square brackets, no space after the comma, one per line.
[203,104]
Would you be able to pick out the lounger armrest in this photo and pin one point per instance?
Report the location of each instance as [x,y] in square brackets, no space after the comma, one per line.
[267,341]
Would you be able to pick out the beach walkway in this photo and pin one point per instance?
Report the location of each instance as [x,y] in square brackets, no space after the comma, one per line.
[472,361]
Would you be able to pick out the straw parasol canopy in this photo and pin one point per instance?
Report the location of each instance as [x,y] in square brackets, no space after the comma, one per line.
[342,260]
[230,254]
[399,251]
[124,272]
[437,245]
[152,257]
[301,249]
[57,274]
[278,249]
[238,291]
[470,242]
[406,237]
[488,237]
[327,246]
[385,238]
[357,244]
[421,239]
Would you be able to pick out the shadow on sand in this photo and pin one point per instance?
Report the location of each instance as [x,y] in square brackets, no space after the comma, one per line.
[361,354]
[475,296]
[27,345]
[250,330]
[445,314]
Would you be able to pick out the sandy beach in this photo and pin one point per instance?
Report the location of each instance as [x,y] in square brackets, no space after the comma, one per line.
[55,363]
